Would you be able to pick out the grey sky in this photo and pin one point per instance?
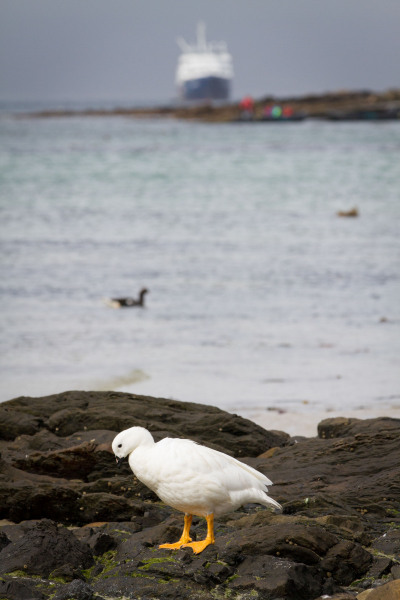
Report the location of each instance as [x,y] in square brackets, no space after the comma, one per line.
[126,50]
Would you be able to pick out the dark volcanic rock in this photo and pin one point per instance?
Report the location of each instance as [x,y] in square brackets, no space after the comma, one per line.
[44,548]
[274,577]
[102,507]
[77,589]
[14,422]
[4,541]
[102,542]
[69,412]
[301,541]
[61,467]
[355,473]
[388,543]
[339,533]
[13,589]
[341,427]
[21,499]
[75,462]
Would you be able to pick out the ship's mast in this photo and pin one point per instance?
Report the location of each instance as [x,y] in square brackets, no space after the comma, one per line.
[201,41]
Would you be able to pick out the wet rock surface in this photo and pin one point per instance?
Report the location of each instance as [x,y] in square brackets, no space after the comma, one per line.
[75,527]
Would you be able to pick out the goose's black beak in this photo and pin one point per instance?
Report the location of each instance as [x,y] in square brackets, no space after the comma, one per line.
[119,461]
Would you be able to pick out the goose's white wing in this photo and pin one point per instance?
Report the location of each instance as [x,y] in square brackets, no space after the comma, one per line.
[199,480]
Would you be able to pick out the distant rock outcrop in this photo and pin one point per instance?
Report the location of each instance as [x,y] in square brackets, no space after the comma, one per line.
[335,106]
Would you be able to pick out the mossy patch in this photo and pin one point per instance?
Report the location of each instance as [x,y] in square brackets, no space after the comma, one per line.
[87,573]
[225,594]
[393,512]
[57,579]
[231,578]
[148,563]
[161,580]
[380,554]
[108,563]
[19,573]
[361,582]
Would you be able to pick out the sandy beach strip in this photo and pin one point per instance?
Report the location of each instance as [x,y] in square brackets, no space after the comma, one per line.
[306,423]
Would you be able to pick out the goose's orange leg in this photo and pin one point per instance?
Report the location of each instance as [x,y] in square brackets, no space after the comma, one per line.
[198,547]
[185,537]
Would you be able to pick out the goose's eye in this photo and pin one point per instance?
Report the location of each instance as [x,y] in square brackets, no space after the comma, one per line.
[119,445]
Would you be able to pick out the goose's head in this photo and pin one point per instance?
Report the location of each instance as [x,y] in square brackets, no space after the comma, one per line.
[128,440]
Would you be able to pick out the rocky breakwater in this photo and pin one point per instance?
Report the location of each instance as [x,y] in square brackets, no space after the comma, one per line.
[75,527]
[337,106]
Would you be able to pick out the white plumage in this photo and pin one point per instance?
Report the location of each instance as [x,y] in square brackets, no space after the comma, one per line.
[191,478]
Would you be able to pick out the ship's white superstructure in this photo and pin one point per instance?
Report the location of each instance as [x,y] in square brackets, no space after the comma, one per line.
[204,70]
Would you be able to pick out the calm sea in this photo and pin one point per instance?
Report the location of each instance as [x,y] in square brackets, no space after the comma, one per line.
[261,297]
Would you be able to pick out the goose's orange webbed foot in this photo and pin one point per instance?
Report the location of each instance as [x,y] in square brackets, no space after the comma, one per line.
[185,538]
[175,546]
[198,547]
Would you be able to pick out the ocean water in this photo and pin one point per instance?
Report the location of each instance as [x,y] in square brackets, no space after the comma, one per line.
[261,297]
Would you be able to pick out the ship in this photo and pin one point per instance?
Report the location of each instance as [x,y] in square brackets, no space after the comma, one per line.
[204,71]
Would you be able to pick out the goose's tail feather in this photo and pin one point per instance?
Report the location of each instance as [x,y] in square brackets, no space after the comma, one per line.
[267,501]
[257,496]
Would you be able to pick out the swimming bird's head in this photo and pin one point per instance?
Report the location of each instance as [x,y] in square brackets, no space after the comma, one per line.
[128,440]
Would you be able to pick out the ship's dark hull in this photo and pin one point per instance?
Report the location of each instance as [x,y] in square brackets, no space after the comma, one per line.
[206,88]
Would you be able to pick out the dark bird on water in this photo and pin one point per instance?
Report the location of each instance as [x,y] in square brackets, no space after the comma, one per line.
[127,302]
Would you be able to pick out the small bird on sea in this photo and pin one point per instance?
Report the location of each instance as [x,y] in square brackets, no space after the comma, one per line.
[127,302]
[192,478]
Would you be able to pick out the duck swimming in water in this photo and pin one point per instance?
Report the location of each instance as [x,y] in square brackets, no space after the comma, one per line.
[191,478]
[128,302]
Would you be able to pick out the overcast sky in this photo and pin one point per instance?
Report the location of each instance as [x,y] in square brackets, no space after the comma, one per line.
[126,50]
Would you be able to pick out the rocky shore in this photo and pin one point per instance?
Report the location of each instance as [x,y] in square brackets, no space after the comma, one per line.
[337,106]
[72,526]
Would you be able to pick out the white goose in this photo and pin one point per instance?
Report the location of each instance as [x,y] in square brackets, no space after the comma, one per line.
[191,478]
